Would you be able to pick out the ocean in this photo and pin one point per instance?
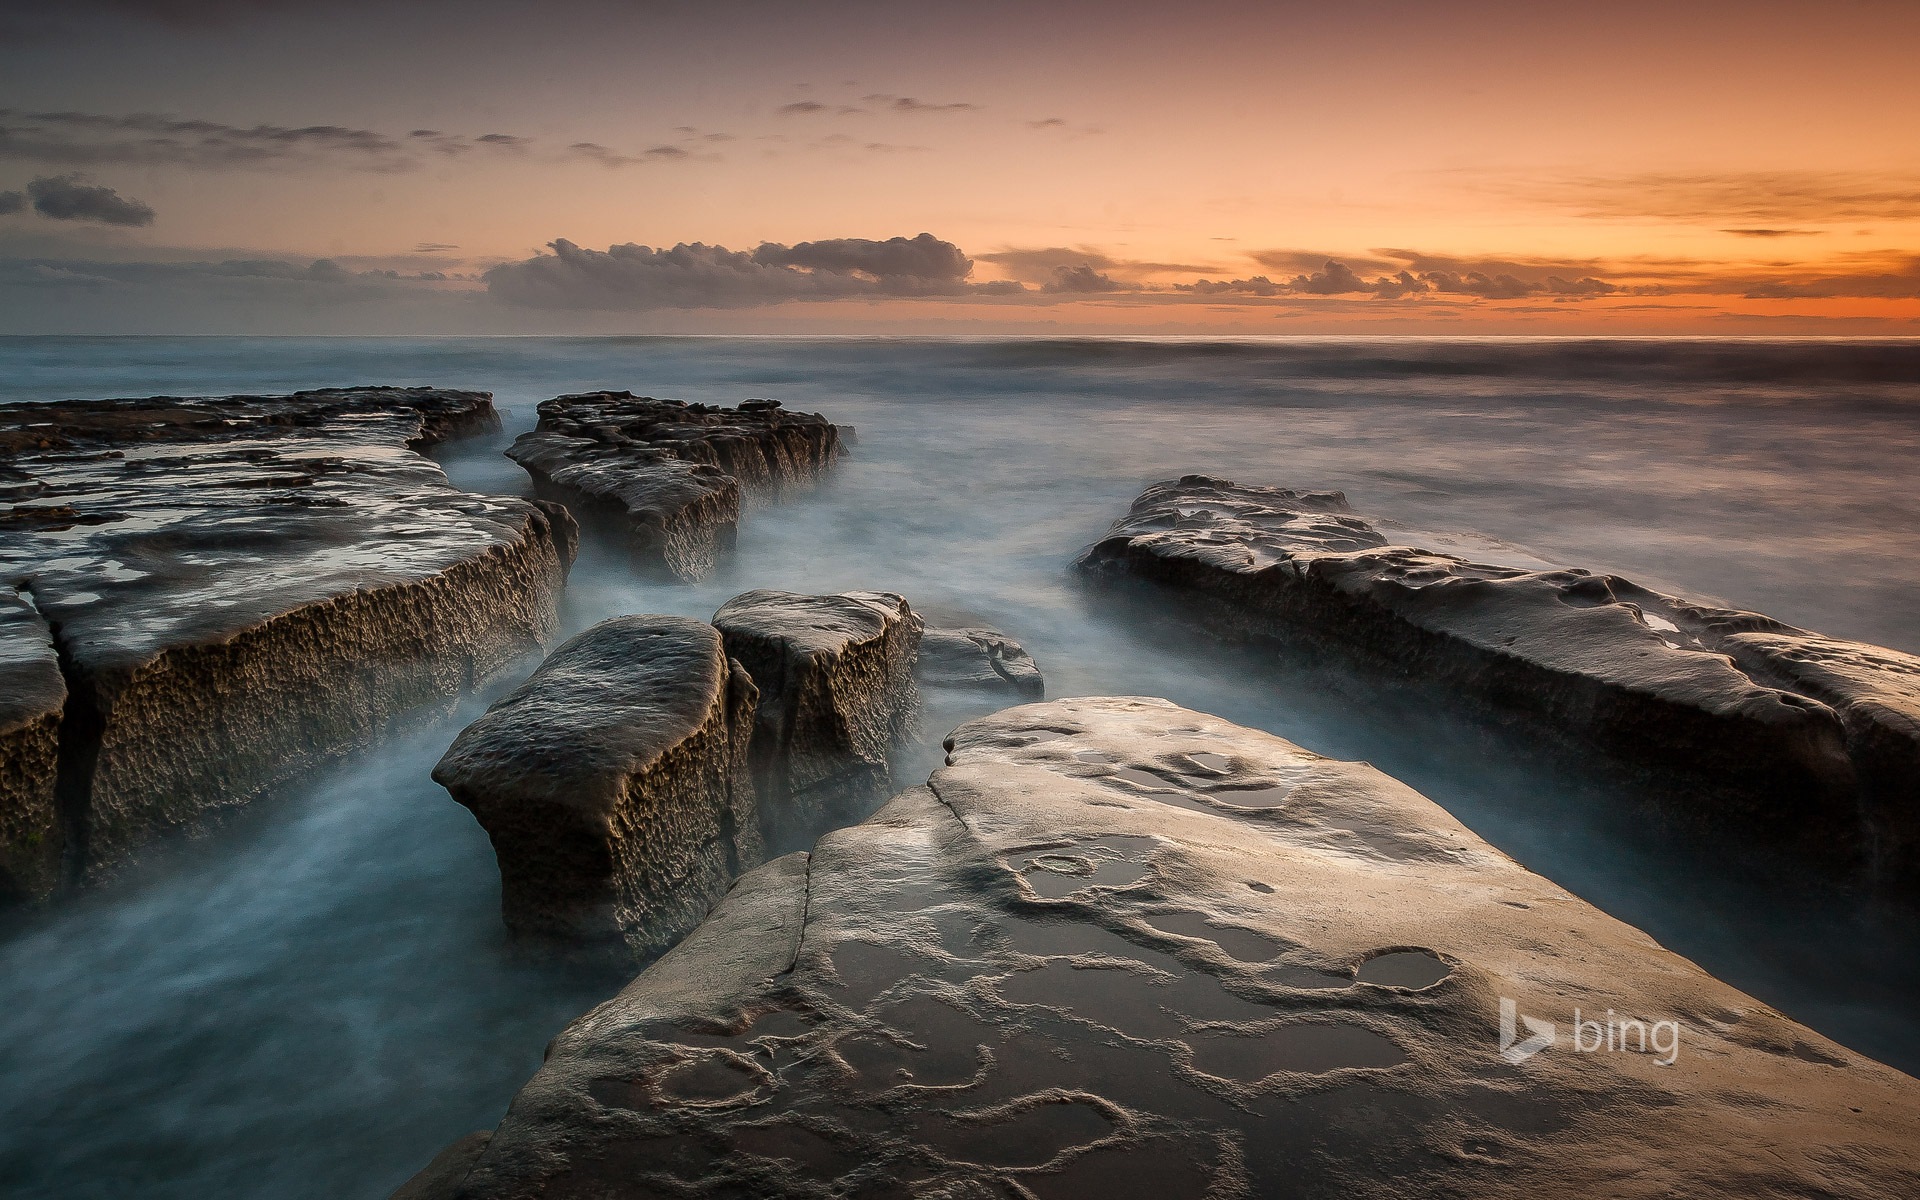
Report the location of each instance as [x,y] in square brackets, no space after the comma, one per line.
[312,999]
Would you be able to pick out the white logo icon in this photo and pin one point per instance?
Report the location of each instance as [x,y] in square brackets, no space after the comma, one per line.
[1514,1050]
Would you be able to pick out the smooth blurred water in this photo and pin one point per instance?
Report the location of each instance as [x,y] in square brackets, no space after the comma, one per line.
[309,1002]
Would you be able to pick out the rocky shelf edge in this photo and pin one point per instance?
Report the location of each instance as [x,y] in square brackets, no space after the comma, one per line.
[613,784]
[1772,733]
[240,587]
[668,476]
[32,697]
[967,654]
[1118,948]
[837,694]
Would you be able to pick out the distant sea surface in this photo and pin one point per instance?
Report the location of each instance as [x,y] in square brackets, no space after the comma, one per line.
[313,999]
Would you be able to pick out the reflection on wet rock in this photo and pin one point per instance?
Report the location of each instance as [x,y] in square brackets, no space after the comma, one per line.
[1188,1036]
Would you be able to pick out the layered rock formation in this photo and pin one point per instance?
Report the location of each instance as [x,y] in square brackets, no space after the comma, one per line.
[1766,730]
[837,693]
[1120,949]
[614,785]
[969,655]
[667,476]
[32,697]
[240,587]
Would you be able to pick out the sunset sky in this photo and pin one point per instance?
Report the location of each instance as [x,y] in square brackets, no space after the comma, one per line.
[231,166]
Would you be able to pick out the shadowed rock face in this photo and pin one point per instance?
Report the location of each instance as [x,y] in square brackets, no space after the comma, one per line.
[669,476]
[32,696]
[1117,948]
[614,785]
[1766,731]
[239,587]
[972,656]
[837,693]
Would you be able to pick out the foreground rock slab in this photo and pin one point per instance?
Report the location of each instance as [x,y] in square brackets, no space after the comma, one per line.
[614,785]
[667,476]
[1777,734]
[1120,949]
[240,587]
[837,694]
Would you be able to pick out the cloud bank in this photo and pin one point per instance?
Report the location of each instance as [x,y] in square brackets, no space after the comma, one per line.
[633,277]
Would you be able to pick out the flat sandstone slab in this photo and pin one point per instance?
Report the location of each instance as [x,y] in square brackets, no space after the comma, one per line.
[1120,949]
[668,476]
[614,785]
[241,586]
[1799,740]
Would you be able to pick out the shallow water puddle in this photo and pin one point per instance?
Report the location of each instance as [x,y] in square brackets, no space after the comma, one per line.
[1239,943]
[1025,1139]
[1312,1048]
[1405,968]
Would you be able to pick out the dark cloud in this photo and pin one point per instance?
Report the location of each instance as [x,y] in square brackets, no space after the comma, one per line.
[71,198]
[79,139]
[924,257]
[801,108]
[696,275]
[910,104]
[11,202]
[1080,281]
[434,247]
[1772,233]
[1038,264]
[595,152]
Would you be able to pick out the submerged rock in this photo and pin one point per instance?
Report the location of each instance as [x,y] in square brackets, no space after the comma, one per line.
[240,587]
[1117,948]
[1776,734]
[837,694]
[967,655]
[669,476]
[32,697]
[614,785]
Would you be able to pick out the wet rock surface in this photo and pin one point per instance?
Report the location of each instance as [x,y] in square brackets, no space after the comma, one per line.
[837,694]
[1037,976]
[614,786]
[1766,731]
[958,653]
[241,586]
[32,697]
[669,477]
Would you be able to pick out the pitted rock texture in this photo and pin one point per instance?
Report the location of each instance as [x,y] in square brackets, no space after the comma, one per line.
[970,655]
[1767,731]
[837,694]
[614,786]
[1120,949]
[240,587]
[32,697]
[668,476]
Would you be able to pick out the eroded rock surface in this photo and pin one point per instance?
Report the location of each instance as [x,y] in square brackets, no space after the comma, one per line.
[1120,949]
[32,697]
[967,654]
[837,694]
[1779,734]
[668,476]
[614,785]
[242,586]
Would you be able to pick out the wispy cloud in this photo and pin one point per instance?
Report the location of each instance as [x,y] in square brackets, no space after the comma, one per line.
[912,104]
[1772,200]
